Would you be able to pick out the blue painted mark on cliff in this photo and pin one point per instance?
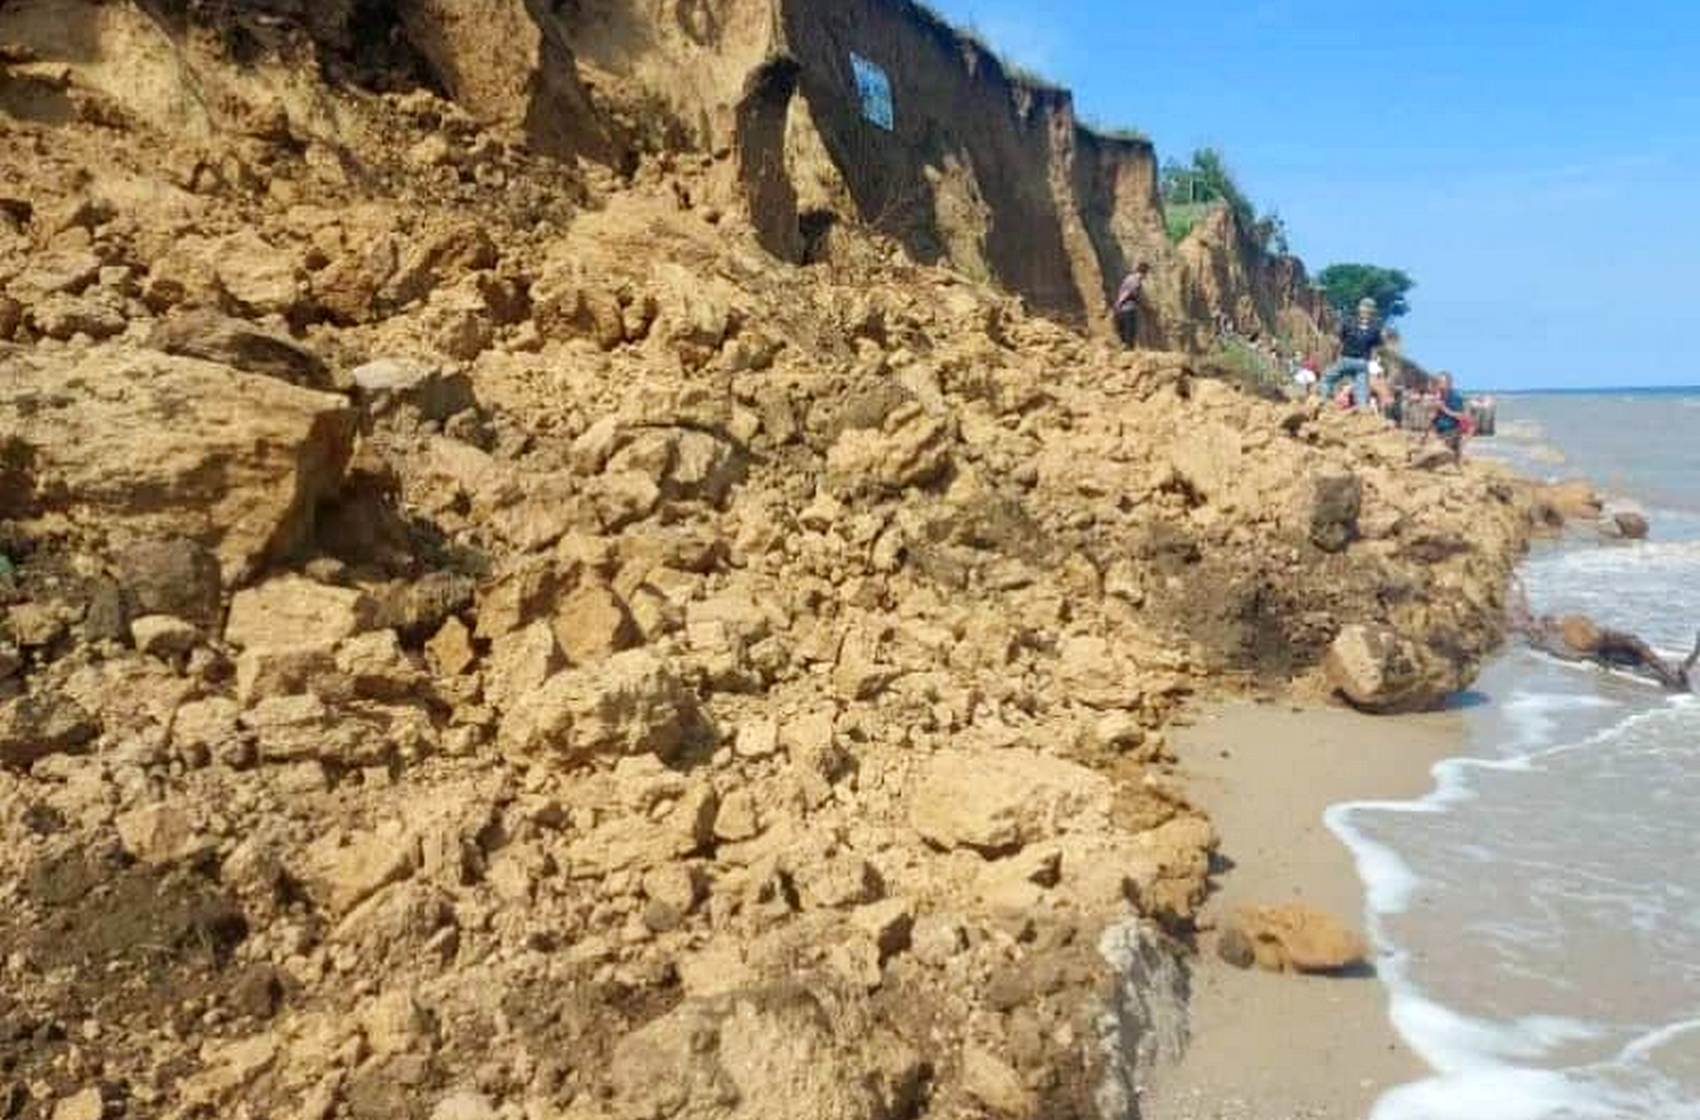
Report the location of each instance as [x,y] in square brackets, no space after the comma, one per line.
[873,86]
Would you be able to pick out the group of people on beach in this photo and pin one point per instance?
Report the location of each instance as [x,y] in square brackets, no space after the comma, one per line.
[1358,379]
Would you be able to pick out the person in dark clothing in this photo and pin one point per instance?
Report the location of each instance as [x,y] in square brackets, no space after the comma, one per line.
[1125,310]
[1359,340]
[1451,422]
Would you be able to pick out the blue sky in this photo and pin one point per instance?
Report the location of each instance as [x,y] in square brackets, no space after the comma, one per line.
[1535,166]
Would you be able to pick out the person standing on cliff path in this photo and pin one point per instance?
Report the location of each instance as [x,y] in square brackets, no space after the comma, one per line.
[1359,341]
[1125,310]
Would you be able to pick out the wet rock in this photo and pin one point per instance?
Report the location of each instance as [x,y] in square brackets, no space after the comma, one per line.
[1571,501]
[241,345]
[1579,633]
[1290,938]
[1631,526]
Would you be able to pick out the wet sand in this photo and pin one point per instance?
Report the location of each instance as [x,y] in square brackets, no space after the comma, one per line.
[1287,1047]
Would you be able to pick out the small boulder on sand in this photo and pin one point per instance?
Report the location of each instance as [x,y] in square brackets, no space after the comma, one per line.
[1290,938]
[1380,670]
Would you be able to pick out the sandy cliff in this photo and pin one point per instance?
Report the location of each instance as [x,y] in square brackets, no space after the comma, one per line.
[981,168]
[486,634]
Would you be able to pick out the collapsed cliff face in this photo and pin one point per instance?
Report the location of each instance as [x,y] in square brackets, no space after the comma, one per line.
[978,168]
[480,636]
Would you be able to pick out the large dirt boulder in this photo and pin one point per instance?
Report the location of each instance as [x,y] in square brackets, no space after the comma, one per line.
[1380,670]
[142,444]
[1290,938]
[506,62]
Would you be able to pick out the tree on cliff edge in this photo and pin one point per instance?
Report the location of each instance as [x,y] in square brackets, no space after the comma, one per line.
[1343,285]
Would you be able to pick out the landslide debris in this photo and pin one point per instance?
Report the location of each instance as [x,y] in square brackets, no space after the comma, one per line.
[480,637]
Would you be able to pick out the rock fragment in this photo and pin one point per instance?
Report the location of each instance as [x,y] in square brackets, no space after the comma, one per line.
[1380,670]
[1290,938]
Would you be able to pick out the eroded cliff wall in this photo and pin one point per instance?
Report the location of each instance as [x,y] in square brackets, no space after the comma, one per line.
[976,167]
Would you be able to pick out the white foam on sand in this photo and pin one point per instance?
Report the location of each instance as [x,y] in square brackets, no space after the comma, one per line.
[1488,1067]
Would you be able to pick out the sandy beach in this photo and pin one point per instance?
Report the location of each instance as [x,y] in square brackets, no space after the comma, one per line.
[1270,1047]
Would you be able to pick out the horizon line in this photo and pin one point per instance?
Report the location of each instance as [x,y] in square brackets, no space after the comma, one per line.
[1595,389]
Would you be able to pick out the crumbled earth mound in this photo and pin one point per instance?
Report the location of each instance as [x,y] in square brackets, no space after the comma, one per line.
[481,637]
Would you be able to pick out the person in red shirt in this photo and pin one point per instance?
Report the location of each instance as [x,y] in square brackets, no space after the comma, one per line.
[1125,310]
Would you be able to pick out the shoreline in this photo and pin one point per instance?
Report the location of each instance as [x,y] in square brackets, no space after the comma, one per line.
[1284,1047]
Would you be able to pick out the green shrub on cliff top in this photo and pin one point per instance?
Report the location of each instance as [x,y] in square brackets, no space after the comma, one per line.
[1190,190]
[1343,285]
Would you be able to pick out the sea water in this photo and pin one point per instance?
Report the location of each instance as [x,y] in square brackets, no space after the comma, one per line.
[1538,913]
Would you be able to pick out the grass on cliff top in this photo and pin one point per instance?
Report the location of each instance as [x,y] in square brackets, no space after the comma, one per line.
[1181,218]
[1119,133]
